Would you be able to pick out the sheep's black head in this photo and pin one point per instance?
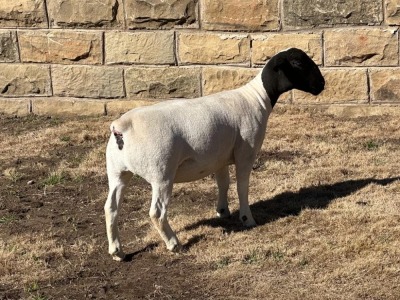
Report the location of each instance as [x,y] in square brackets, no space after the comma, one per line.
[291,69]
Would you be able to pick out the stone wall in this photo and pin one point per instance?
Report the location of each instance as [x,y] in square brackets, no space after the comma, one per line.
[98,57]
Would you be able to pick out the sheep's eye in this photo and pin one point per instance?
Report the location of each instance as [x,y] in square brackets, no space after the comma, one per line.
[297,64]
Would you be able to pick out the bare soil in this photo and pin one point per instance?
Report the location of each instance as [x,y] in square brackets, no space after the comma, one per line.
[325,192]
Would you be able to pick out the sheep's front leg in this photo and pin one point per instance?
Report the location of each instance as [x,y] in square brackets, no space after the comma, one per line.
[222,177]
[117,184]
[243,178]
[161,195]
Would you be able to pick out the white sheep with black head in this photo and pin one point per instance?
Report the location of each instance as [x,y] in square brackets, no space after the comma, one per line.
[185,140]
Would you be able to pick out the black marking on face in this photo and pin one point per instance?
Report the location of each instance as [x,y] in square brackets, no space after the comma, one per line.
[291,69]
[221,211]
[244,218]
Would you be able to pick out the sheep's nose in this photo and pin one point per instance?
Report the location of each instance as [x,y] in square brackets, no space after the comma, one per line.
[318,87]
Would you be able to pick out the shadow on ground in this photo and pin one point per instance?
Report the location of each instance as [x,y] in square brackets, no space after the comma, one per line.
[292,203]
[130,256]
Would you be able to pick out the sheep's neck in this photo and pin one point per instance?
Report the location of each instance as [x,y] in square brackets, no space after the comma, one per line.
[255,90]
[274,82]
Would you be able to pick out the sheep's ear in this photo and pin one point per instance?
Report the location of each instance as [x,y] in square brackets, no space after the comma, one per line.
[295,58]
[281,63]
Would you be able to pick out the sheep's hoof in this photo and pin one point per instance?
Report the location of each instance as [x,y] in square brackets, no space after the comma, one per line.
[223,213]
[248,222]
[173,245]
[118,255]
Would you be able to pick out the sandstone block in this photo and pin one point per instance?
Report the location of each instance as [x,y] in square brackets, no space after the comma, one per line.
[8,46]
[68,107]
[61,47]
[15,107]
[217,79]
[392,9]
[156,83]
[342,85]
[85,14]
[24,80]
[240,15]
[23,13]
[361,47]
[305,13]
[267,45]
[155,14]
[211,48]
[385,85]
[139,47]
[87,82]
[119,107]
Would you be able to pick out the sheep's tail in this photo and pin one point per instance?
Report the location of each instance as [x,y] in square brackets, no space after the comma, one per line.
[119,138]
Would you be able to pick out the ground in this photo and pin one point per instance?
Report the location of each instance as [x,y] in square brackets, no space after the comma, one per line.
[325,192]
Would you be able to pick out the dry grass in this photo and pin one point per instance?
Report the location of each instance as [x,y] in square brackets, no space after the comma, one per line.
[325,192]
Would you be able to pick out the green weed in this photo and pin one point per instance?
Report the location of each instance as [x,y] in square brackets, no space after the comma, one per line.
[223,262]
[54,178]
[32,289]
[65,138]
[7,219]
[276,255]
[253,257]
[371,145]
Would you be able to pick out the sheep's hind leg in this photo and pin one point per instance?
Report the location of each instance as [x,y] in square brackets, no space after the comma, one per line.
[222,177]
[161,195]
[117,185]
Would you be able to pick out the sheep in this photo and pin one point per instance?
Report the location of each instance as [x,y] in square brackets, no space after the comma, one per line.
[187,139]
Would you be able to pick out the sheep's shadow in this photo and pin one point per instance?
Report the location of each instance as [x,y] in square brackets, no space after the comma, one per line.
[130,256]
[185,247]
[292,203]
